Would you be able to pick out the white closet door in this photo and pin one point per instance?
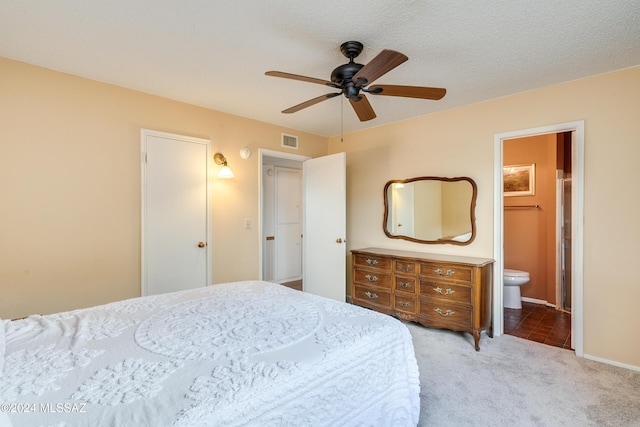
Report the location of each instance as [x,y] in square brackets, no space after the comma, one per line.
[175,213]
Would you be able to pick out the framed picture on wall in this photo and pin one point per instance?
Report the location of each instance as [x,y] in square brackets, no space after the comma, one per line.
[519,180]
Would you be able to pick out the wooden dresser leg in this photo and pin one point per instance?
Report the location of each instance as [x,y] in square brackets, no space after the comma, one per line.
[476,338]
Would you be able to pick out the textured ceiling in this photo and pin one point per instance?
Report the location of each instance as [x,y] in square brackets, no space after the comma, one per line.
[214,53]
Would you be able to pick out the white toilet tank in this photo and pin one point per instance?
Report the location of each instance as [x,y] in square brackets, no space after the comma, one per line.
[515,277]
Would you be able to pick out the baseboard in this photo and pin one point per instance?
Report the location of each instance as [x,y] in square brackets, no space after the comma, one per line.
[611,362]
[537,301]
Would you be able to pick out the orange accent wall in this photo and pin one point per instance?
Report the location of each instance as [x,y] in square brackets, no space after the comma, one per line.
[530,234]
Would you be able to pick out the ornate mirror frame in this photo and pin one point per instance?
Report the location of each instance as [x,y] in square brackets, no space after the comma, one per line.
[442,240]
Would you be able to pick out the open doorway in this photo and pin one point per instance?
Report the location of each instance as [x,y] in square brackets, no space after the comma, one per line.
[281,218]
[323,221]
[537,238]
[576,130]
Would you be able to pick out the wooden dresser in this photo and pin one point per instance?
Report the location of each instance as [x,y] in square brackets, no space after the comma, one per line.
[442,291]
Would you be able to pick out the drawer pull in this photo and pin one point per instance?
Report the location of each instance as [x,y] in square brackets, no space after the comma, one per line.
[371,295]
[446,313]
[405,268]
[404,284]
[439,272]
[404,304]
[371,278]
[372,261]
[447,291]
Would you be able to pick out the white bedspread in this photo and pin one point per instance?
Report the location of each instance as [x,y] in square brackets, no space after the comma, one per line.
[247,353]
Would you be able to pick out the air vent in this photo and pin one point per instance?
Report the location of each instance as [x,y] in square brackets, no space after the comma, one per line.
[290,141]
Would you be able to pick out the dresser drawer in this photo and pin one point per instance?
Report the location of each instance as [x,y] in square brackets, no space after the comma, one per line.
[405,284]
[372,296]
[443,315]
[404,267]
[372,277]
[367,260]
[447,271]
[406,303]
[445,291]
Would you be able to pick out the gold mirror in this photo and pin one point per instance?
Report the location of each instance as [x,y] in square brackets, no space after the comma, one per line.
[431,210]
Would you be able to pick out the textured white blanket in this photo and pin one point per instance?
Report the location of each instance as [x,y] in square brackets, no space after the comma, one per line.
[246,353]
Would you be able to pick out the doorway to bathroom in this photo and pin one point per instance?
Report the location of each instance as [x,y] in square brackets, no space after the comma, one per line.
[537,170]
[538,229]
[537,216]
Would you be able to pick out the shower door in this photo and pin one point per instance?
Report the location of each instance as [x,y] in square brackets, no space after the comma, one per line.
[566,244]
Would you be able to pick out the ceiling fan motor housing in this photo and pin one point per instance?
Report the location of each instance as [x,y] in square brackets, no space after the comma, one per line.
[343,76]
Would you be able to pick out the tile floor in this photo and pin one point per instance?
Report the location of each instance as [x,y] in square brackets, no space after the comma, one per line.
[537,322]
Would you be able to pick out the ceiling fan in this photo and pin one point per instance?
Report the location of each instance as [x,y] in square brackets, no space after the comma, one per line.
[352,80]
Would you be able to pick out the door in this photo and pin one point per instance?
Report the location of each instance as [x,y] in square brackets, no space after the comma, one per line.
[403,210]
[288,225]
[324,244]
[175,212]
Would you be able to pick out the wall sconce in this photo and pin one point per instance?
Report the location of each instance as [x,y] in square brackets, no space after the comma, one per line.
[225,172]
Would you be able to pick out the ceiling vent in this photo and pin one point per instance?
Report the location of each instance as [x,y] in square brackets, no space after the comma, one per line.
[290,141]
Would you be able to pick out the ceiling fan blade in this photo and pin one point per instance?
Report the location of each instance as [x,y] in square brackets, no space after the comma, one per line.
[386,61]
[310,102]
[363,108]
[301,78]
[408,91]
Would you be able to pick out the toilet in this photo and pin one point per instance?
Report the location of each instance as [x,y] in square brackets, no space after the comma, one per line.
[512,280]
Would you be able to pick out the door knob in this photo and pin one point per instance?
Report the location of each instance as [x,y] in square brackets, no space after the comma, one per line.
[201,244]
[339,240]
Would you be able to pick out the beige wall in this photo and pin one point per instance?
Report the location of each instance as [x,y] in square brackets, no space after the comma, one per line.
[70,186]
[460,142]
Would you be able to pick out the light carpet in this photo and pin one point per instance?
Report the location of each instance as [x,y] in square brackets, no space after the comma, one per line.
[515,382]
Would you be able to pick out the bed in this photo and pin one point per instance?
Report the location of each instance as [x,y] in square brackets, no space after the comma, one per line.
[243,353]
